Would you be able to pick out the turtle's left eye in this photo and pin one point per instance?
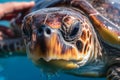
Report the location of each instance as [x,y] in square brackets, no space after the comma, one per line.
[26,27]
[27,31]
[74,29]
[72,33]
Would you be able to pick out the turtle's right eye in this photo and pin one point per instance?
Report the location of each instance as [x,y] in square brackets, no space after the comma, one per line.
[26,28]
[27,31]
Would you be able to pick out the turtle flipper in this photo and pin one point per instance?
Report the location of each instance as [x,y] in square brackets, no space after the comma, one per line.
[10,44]
[114,73]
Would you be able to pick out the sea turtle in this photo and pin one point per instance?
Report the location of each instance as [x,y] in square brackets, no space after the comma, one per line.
[71,36]
[68,36]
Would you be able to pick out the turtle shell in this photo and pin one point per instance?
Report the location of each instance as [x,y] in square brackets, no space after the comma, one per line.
[109,9]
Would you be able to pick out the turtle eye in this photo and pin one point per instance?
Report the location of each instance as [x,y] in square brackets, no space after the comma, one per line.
[74,29]
[26,27]
[72,32]
[27,31]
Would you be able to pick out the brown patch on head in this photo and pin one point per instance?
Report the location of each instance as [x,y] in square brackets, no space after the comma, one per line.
[39,18]
[83,35]
[68,20]
[85,47]
[85,32]
[88,33]
[53,20]
[28,20]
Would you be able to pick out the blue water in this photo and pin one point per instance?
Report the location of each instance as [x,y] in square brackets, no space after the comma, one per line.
[21,68]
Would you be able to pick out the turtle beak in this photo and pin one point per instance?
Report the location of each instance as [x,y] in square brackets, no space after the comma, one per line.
[40,42]
[44,32]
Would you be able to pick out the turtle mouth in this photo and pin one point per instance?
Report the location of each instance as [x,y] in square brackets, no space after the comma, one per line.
[56,65]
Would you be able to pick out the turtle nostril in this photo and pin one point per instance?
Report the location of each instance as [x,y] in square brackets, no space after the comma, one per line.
[48,31]
[44,30]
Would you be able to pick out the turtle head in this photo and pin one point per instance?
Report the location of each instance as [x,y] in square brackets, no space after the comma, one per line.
[59,37]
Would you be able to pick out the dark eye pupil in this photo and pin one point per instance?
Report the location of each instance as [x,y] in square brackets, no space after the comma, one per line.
[75,29]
